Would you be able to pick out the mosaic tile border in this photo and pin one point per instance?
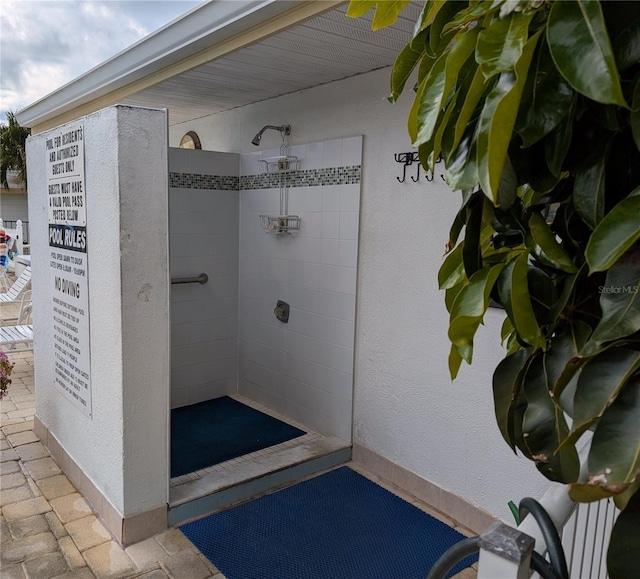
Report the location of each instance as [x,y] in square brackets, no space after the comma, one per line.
[199,181]
[306,178]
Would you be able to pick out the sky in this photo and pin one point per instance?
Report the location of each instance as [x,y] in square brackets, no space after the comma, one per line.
[45,44]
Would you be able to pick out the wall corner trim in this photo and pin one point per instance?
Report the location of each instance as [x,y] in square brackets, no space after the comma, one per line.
[450,505]
[126,530]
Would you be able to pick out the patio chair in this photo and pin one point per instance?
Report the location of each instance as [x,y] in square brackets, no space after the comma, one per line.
[14,293]
[23,315]
[18,338]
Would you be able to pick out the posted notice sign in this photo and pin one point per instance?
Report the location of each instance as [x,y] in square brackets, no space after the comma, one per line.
[68,263]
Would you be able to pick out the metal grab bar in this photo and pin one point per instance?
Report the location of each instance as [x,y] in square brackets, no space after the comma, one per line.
[202,278]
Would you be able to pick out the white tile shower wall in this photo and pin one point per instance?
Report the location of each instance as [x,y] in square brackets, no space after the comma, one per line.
[303,369]
[203,227]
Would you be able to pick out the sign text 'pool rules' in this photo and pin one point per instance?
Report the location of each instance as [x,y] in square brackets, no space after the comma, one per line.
[68,263]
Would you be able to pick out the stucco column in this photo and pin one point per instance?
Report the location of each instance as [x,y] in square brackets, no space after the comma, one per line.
[110,436]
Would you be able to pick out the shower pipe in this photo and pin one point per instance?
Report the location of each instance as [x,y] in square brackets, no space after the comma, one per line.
[202,278]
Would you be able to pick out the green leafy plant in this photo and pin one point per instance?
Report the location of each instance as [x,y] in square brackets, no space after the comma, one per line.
[534,107]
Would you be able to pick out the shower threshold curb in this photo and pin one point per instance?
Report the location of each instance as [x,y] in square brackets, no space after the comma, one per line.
[218,490]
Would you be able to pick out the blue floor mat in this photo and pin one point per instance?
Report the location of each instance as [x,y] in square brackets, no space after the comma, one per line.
[339,525]
[216,430]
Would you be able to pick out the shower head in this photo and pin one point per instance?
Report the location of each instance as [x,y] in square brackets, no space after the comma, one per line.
[284,130]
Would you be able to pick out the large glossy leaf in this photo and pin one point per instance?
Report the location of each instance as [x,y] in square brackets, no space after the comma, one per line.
[445,13]
[543,293]
[635,115]
[469,308]
[544,427]
[441,124]
[405,63]
[436,86]
[474,94]
[547,249]
[497,121]
[561,360]
[429,11]
[506,330]
[507,379]
[546,99]
[452,270]
[500,45]
[451,294]
[475,11]
[471,251]
[623,556]
[387,11]
[463,86]
[455,361]
[620,303]
[623,26]
[518,418]
[508,185]
[615,234]
[586,493]
[359,8]
[557,143]
[566,291]
[614,457]
[580,47]
[600,381]
[589,189]
[422,118]
[622,499]
[514,296]
[462,168]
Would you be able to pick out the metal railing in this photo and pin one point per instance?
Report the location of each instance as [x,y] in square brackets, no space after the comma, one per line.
[557,538]
[585,539]
[584,529]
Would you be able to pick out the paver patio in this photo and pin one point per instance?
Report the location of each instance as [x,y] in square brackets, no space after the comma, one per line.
[48,529]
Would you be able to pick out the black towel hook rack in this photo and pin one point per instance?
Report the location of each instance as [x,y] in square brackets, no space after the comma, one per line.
[410,158]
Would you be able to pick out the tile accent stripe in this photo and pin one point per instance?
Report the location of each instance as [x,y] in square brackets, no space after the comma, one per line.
[198,181]
[305,178]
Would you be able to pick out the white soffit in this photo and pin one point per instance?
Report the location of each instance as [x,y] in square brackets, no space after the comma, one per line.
[234,53]
[321,50]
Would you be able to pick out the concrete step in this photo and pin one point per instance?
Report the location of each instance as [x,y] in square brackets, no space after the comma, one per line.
[218,490]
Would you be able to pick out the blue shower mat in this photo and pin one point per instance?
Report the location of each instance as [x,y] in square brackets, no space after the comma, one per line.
[339,525]
[216,430]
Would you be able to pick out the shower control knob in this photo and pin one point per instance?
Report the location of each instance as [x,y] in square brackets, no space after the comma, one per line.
[282,311]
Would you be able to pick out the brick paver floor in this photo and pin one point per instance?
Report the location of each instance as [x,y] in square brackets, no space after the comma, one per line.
[47,528]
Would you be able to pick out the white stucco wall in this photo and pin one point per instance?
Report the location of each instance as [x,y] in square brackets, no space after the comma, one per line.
[123,447]
[406,407]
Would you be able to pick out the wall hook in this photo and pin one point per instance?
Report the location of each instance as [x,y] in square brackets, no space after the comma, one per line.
[404,174]
[407,159]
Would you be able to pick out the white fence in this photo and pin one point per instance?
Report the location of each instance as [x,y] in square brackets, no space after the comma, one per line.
[19,234]
[585,539]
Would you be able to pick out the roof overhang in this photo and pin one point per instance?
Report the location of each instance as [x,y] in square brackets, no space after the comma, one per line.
[226,45]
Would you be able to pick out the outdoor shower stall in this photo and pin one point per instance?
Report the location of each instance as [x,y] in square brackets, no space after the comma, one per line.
[139,348]
[272,230]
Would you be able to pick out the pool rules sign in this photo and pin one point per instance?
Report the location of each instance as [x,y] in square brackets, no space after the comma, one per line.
[68,263]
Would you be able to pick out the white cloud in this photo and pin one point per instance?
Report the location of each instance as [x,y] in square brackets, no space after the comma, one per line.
[46,44]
